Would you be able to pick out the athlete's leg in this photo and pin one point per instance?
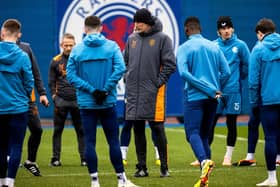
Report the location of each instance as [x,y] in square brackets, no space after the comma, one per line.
[77,123]
[60,115]
[36,130]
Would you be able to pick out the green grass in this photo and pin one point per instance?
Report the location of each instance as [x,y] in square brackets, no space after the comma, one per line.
[180,155]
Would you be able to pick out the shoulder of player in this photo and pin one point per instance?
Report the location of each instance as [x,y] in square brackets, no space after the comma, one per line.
[57,58]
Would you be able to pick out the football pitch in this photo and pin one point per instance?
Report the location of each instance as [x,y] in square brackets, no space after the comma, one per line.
[180,155]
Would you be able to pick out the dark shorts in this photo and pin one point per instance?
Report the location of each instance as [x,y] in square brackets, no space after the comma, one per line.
[229,104]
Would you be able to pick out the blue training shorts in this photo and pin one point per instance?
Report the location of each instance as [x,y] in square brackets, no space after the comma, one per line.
[229,104]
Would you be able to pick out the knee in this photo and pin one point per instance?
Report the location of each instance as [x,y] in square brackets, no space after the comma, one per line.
[127,127]
[79,131]
[157,128]
[58,128]
[191,133]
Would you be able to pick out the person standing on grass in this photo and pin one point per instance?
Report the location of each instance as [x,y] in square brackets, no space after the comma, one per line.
[150,61]
[237,54]
[126,136]
[253,136]
[264,93]
[34,123]
[65,101]
[15,89]
[94,67]
[204,69]
[125,140]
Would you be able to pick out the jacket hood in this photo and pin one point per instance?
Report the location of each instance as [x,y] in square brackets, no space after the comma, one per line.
[94,40]
[272,41]
[157,27]
[9,52]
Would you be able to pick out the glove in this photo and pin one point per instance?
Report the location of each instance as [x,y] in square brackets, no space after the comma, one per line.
[99,96]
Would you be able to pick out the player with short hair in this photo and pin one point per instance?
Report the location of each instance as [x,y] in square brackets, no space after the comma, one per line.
[237,54]
[204,70]
[94,67]
[15,89]
[264,94]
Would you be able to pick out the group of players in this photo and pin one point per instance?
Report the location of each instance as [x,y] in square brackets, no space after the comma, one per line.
[211,90]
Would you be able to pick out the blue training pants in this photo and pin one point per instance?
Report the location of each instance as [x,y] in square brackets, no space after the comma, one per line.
[12,132]
[108,120]
[199,116]
[270,118]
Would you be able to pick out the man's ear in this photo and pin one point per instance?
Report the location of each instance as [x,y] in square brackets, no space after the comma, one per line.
[100,28]
[1,35]
[186,30]
[19,35]
[61,44]
[86,30]
[260,35]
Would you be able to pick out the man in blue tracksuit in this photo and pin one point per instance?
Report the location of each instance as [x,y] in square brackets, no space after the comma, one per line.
[15,89]
[264,90]
[237,54]
[253,136]
[204,69]
[94,67]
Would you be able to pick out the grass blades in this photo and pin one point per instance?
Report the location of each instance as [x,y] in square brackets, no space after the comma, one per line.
[71,174]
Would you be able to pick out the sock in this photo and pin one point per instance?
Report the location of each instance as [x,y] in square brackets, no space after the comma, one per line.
[229,152]
[94,177]
[202,163]
[156,153]
[124,150]
[29,162]
[121,178]
[250,156]
[10,182]
[272,175]
[2,181]
[278,158]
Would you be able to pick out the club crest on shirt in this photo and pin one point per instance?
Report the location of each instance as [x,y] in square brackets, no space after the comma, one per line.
[234,49]
[152,42]
[133,43]
[61,69]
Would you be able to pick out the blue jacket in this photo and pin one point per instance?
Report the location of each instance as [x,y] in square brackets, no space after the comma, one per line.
[264,71]
[202,66]
[16,79]
[237,54]
[96,63]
